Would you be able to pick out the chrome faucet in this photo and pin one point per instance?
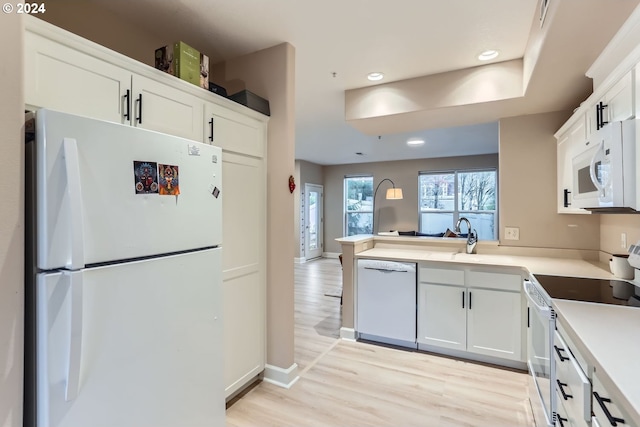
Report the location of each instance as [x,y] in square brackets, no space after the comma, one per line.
[472,235]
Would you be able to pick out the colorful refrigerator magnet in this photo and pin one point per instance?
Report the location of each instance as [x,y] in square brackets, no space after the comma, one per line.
[146,177]
[169,182]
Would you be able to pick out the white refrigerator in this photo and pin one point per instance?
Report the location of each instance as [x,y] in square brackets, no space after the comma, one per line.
[123,297]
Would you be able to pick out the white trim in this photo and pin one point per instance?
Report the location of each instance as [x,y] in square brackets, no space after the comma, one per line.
[348,334]
[330,254]
[284,378]
[300,260]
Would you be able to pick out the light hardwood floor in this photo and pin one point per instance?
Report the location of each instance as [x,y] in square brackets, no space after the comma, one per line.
[345,383]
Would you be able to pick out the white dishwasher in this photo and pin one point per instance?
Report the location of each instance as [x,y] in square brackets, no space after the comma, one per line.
[386,302]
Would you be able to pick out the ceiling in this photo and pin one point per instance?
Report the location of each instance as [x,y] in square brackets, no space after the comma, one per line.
[338,42]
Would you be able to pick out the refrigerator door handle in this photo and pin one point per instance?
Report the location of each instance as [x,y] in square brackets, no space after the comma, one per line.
[72,167]
[75,332]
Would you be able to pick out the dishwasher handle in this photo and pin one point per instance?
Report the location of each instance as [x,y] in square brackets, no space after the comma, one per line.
[385,270]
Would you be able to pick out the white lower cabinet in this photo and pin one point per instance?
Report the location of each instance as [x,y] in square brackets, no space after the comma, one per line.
[573,389]
[494,325]
[606,408]
[442,319]
[470,310]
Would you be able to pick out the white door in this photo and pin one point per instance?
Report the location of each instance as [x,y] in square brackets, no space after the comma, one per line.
[313,221]
[442,315]
[494,323]
[132,345]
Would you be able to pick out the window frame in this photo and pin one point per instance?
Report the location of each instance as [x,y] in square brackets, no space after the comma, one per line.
[456,212]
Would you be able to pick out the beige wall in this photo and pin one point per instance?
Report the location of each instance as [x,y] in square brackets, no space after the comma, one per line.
[612,226]
[270,73]
[12,224]
[102,26]
[390,214]
[528,187]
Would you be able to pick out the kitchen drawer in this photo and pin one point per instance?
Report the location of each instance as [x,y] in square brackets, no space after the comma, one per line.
[586,368]
[492,280]
[564,417]
[445,276]
[604,403]
[574,388]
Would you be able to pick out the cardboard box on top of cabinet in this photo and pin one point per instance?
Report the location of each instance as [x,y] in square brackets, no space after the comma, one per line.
[180,60]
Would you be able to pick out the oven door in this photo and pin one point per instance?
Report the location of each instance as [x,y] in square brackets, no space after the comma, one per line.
[539,357]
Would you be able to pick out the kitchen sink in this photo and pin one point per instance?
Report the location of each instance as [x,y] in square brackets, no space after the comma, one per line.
[483,258]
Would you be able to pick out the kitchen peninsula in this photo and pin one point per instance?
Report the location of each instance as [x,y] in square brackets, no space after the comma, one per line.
[591,326]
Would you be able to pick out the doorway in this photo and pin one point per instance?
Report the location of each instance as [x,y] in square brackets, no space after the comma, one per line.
[314,221]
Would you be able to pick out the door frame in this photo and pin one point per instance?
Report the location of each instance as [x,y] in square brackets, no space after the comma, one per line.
[317,253]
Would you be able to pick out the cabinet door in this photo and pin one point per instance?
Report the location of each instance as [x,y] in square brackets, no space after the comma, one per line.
[64,79]
[163,108]
[243,269]
[232,131]
[494,323]
[442,316]
[619,100]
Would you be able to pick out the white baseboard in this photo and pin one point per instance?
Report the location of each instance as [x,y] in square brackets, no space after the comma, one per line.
[300,260]
[284,378]
[348,334]
[330,254]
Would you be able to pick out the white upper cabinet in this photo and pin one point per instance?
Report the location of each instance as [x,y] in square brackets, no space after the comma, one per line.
[61,78]
[163,108]
[615,105]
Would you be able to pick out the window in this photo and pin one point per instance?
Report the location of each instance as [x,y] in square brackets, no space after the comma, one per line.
[445,197]
[358,204]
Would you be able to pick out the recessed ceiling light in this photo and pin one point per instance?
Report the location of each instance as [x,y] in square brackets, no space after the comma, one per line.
[374,77]
[414,142]
[488,54]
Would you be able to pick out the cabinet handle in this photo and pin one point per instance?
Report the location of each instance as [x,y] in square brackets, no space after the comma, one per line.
[564,395]
[211,128]
[127,103]
[462,299]
[598,116]
[558,350]
[601,400]
[602,107]
[469,300]
[139,102]
[566,198]
[561,420]
[528,317]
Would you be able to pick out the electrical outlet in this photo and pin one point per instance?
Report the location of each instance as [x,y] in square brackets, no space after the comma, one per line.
[512,233]
[623,240]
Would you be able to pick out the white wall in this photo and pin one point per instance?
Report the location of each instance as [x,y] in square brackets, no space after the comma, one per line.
[12,224]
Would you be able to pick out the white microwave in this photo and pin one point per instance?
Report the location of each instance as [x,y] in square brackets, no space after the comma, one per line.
[604,170]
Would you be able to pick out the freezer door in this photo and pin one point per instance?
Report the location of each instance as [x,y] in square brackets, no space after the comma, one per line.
[132,345]
[106,192]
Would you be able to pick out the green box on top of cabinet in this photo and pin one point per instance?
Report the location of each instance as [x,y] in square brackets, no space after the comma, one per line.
[180,60]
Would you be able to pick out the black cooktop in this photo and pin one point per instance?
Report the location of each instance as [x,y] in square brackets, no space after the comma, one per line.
[618,292]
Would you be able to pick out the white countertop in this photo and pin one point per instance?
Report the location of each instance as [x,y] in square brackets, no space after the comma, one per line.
[609,335]
[533,264]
